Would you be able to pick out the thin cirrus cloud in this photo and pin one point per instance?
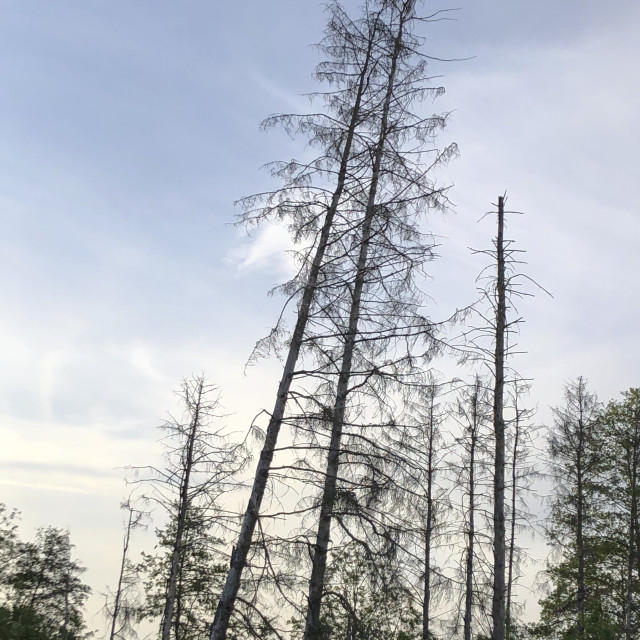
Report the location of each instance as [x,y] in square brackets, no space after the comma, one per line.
[266,251]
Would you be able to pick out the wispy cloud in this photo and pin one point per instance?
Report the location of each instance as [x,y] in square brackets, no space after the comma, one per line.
[265,251]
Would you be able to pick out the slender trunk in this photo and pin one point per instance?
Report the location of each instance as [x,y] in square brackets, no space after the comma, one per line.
[426,603]
[471,532]
[319,563]
[637,540]
[630,565]
[428,534]
[581,593]
[316,582]
[512,539]
[241,550]
[498,604]
[183,505]
[123,564]
[636,519]
[633,534]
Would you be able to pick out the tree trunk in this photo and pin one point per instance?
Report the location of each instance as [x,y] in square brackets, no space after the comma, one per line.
[633,531]
[631,561]
[426,634]
[316,582]
[428,534]
[183,506]
[498,604]
[319,563]
[241,550]
[471,531]
[125,550]
[581,593]
[512,539]
[635,541]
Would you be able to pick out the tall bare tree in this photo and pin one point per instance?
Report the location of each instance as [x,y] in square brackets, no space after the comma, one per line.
[194,402]
[431,440]
[122,607]
[498,610]
[350,52]
[340,188]
[502,287]
[522,475]
[472,413]
[201,466]
[391,189]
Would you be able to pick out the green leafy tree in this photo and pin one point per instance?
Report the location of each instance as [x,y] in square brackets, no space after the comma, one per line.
[22,623]
[621,427]
[201,467]
[44,589]
[16,623]
[199,576]
[8,544]
[577,605]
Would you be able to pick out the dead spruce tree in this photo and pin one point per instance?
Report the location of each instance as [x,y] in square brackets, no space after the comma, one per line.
[393,473]
[387,249]
[523,472]
[303,201]
[429,517]
[472,413]
[503,285]
[201,466]
[122,605]
[334,208]
[495,330]
[432,498]
[498,609]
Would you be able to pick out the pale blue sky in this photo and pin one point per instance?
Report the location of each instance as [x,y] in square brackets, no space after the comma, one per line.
[128,129]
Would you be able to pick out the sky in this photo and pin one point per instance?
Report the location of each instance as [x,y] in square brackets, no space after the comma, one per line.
[129,129]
